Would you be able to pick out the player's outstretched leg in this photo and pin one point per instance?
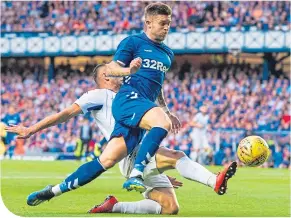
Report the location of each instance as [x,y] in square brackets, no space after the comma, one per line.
[106,206]
[158,124]
[114,152]
[111,205]
[83,175]
[171,159]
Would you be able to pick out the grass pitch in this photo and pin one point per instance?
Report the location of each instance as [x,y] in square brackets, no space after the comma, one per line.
[251,192]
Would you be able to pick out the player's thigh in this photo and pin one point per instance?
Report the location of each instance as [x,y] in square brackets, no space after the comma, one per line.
[129,108]
[166,197]
[114,152]
[167,158]
[131,136]
[155,117]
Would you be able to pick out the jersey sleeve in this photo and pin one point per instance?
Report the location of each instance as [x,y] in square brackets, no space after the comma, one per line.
[92,100]
[125,52]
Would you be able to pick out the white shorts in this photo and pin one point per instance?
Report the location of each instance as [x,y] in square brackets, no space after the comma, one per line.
[199,141]
[152,177]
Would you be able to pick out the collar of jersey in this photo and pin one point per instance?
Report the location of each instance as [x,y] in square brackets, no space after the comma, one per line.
[157,43]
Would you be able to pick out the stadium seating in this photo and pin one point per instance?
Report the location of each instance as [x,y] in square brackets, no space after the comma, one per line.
[236,96]
[65,17]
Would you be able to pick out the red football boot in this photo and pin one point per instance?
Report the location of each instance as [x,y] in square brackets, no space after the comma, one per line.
[222,177]
[106,206]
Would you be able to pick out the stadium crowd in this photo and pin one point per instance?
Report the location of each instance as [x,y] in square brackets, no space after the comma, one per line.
[235,95]
[65,17]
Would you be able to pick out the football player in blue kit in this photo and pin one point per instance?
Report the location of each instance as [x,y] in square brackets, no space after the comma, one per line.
[160,195]
[134,106]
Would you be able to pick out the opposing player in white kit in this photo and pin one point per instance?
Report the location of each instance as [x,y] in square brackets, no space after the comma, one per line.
[160,195]
[199,134]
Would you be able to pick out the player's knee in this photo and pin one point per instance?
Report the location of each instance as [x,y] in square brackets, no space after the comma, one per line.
[164,123]
[170,207]
[108,163]
[178,154]
[167,124]
[174,209]
[156,117]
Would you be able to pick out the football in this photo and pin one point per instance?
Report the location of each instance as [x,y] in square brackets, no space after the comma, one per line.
[253,151]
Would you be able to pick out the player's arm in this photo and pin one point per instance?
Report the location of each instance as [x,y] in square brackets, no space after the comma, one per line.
[162,102]
[115,69]
[124,57]
[52,120]
[176,125]
[196,124]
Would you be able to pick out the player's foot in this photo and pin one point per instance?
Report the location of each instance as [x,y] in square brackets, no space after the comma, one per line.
[41,196]
[134,183]
[106,206]
[222,177]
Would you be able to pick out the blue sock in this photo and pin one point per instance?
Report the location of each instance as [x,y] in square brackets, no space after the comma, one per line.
[149,147]
[83,175]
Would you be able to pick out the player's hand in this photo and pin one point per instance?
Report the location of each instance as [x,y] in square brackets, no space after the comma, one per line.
[21,131]
[176,125]
[174,182]
[135,64]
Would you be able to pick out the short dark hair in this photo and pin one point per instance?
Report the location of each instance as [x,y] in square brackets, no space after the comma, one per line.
[96,71]
[157,8]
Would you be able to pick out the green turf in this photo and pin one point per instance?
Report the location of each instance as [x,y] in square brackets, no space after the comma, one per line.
[252,192]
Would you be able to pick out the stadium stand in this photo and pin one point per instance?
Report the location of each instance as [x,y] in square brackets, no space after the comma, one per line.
[65,17]
[235,94]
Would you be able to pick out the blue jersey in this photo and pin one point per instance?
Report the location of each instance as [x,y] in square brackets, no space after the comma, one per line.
[12,119]
[156,61]
[8,120]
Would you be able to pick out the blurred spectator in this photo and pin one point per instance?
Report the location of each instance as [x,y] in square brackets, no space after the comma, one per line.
[270,161]
[199,134]
[11,118]
[209,158]
[219,156]
[286,158]
[183,146]
[278,156]
[3,134]
[86,135]
[228,156]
